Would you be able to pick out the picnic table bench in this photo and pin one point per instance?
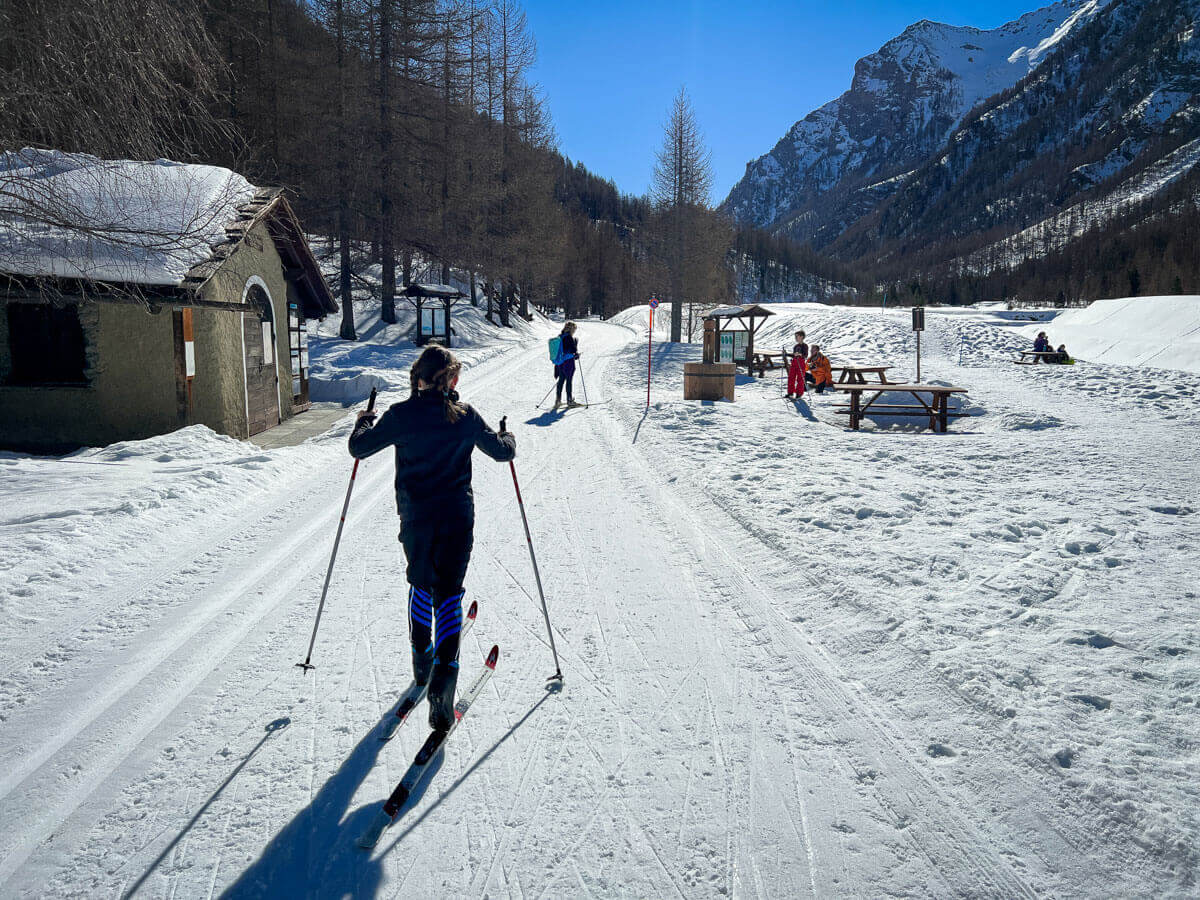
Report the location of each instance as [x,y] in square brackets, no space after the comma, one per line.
[853,374]
[857,374]
[1039,356]
[760,362]
[936,409]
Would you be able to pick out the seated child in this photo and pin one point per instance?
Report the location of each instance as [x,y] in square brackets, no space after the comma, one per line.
[820,373]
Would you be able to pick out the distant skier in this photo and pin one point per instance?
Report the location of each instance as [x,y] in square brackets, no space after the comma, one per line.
[434,434]
[798,368]
[820,372]
[564,370]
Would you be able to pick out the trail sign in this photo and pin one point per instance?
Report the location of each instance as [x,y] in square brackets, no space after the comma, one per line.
[918,327]
[654,303]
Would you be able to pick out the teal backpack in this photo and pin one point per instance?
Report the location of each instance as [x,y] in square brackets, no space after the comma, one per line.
[556,350]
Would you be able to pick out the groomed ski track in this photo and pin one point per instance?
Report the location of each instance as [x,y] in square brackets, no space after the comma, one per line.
[707,742]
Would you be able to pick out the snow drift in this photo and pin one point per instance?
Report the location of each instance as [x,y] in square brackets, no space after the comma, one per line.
[1163,332]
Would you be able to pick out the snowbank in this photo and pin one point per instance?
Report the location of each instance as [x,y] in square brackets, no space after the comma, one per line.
[75,216]
[1163,332]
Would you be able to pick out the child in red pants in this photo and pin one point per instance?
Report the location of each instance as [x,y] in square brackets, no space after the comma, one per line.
[798,368]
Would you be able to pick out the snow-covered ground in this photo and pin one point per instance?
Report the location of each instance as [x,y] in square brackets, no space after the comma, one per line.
[800,661]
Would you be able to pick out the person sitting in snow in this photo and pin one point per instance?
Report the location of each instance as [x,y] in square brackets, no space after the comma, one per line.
[565,370]
[798,368]
[820,372]
[1042,343]
[434,435]
[1062,356]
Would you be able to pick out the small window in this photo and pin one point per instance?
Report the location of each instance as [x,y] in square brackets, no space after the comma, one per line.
[259,298]
[268,344]
[46,344]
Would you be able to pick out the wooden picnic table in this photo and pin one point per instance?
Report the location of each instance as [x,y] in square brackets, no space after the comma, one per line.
[936,409]
[760,362]
[1039,356]
[857,374]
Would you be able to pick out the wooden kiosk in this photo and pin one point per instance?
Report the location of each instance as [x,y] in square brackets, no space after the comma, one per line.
[433,303]
[735,328]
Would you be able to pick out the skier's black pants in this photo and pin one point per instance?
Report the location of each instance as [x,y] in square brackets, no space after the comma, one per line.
[438,552]
[565,373]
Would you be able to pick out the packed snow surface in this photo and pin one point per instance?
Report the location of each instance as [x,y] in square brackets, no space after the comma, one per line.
[800,661]
[75,216]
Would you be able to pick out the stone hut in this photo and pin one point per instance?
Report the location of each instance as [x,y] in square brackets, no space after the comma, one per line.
[140,297]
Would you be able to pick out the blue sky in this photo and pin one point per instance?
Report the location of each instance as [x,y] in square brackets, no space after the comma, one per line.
[610,69]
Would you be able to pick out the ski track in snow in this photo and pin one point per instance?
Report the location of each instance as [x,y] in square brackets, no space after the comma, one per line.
[799,661]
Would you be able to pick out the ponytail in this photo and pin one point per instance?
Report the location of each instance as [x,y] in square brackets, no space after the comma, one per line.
[438,367]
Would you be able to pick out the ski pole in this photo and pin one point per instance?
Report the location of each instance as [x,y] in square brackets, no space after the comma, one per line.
[307,664]
[583,383]
[558,675]
[547,397]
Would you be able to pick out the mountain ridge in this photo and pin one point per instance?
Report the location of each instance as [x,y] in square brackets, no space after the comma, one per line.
[844,158]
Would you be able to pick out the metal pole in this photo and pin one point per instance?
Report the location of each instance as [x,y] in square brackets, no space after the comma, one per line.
[583,383]
[307,664]
[558,675]
[918,357]
[547,397]
[649,356]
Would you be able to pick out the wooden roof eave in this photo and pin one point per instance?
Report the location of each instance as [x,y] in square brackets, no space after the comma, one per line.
[60,291]
[300,266]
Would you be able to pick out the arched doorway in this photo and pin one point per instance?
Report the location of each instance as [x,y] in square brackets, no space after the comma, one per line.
[263,408]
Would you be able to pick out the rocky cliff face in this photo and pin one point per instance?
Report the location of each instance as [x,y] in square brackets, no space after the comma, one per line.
[842,161]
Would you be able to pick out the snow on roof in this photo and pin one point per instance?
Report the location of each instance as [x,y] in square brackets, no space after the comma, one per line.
[425,289]
[73,215]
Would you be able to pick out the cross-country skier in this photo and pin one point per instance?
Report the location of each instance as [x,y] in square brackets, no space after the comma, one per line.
[564,371]
[434,434]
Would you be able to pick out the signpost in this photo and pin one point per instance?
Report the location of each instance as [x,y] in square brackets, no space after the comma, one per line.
[650,348]
[918,326]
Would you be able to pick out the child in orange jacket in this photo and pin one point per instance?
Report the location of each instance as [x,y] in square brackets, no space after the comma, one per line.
[820,373]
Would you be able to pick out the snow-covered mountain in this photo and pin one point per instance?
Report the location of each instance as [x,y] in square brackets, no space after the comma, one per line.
[1105,134]
[842,160]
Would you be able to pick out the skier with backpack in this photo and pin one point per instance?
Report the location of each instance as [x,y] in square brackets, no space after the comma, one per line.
[564,350]
[434,435]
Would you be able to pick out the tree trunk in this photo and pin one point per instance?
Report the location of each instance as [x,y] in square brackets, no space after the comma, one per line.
[345,289]
[386,247]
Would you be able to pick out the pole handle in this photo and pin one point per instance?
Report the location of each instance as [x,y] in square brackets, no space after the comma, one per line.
[503,424]
[371,401]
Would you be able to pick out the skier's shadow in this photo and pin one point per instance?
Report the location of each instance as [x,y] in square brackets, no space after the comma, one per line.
[804,409]
[551,689]
[549,417]
[316,854]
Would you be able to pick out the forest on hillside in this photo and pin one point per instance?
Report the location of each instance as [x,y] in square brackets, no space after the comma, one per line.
[408,132]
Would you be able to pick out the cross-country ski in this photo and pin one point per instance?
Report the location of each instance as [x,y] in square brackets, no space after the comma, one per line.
[433,745]
[344,343]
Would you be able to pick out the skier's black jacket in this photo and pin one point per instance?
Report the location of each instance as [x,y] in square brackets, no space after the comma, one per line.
[433,456]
